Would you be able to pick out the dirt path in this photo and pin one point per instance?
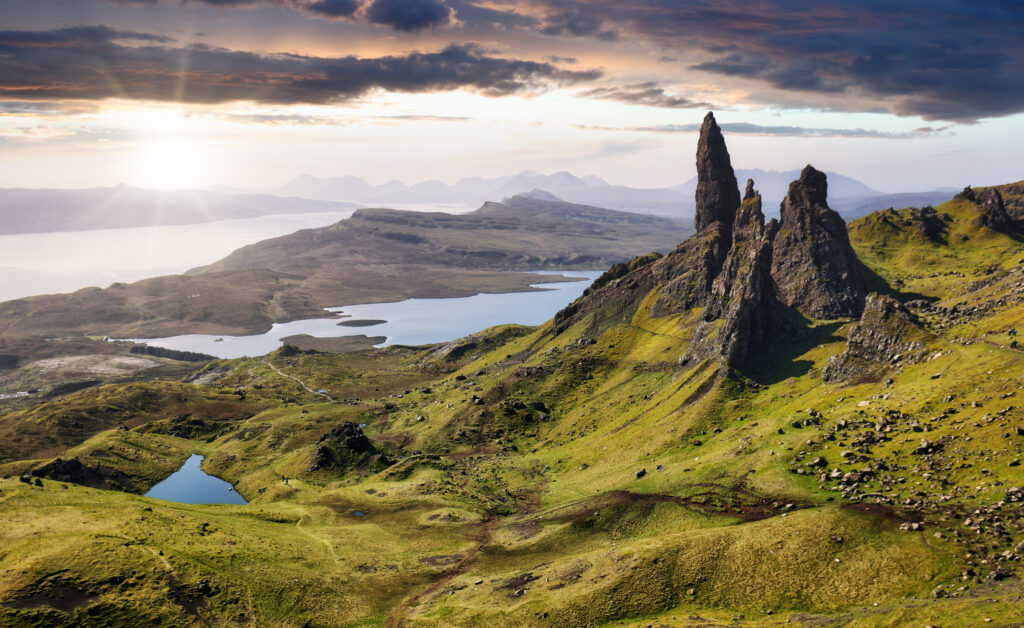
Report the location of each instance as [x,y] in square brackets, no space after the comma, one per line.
[1018,349]
[298,381]
[481,535]
[328,544]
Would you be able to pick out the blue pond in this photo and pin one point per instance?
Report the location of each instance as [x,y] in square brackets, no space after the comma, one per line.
[190,485]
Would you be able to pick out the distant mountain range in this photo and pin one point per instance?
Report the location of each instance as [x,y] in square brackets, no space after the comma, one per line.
[848,196]
[48,210]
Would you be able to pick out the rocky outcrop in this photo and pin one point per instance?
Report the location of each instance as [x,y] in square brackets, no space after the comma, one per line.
[814,267]
[887,337]
[73,471]
[688,273]
[1013,200]
[717,194]
[993,212]
[344,448]
[742,300]
[745,277]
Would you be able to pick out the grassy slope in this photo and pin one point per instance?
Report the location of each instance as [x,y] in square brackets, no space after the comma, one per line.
[498,514]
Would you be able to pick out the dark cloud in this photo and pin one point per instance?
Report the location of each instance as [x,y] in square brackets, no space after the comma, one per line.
[667,59]
[408,15]
[649,94]
[92,63]
[957,60]
[747,128]
[954,60]
[333,8]
[558,59]
[570,19]
[473,15]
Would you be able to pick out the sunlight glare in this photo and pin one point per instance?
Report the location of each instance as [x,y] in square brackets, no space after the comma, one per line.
[169,163]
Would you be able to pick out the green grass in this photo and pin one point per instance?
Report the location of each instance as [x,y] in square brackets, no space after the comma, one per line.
[500,513]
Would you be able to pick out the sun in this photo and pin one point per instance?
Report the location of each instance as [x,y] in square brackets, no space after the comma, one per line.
[169,163]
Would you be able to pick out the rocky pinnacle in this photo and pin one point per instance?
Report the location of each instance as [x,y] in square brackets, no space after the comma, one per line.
[813,265]
[718,196]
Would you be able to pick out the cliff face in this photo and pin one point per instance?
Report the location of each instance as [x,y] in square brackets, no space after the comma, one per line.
[747,277]
[738,310]
[813,266]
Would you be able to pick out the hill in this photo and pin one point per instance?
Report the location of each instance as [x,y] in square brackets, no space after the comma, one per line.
[376,255]
[781,422]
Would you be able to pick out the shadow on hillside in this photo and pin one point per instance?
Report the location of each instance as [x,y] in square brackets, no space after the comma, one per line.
[777,360]
[877,283]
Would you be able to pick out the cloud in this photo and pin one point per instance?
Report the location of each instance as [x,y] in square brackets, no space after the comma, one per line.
[952,60]
[577,21]
[649,94]
[94,63]
[333,8]
[37,108]
[473,15]
[955,60]
[558,59]
[408,15]
[747,128]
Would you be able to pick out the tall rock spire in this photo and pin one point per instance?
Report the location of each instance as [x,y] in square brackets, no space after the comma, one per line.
[742,299]
[813,265]
[718,196]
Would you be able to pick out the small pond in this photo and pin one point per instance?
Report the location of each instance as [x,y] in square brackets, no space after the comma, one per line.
[190,485]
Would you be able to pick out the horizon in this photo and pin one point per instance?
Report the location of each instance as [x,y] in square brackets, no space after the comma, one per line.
[276,189]
[163,94]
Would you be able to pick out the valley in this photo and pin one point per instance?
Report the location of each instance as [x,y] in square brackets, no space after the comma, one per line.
[783,422]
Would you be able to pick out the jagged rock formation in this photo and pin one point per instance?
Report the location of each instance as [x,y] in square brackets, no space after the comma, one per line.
[717,195]
[813,265]
[689,272]
[343,448]
[737,312]
[993,212]
[887,337]
[1013,199]
[748,276]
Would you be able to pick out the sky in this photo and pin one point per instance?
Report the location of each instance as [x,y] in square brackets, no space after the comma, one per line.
[906,95]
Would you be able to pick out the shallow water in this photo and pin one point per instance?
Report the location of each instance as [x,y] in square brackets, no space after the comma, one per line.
[409,322]
[191,485]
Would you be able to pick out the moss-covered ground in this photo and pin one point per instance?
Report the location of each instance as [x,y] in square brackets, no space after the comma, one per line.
[574,479]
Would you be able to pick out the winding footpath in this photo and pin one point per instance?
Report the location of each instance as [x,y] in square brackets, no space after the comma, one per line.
[299,382]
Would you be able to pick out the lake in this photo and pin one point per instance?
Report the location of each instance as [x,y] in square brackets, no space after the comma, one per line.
[409,322]
[46,263]
[190,485]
